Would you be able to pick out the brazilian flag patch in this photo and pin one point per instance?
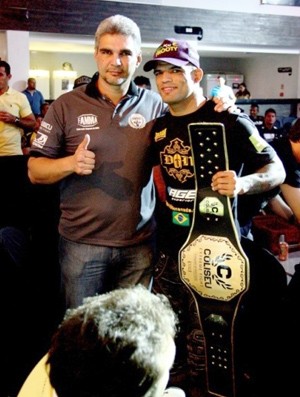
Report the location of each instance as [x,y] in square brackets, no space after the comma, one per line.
[181,219]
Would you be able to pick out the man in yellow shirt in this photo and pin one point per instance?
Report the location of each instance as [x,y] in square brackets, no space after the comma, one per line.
[15,114]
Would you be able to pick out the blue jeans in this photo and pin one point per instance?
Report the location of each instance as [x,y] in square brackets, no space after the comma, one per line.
[88,270]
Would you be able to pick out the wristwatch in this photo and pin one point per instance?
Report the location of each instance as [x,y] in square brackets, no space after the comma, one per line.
[17,120]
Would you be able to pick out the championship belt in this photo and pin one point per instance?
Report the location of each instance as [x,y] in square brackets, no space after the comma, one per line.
[212,263]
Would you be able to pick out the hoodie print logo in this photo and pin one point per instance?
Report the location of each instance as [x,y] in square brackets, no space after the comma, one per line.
[178,161]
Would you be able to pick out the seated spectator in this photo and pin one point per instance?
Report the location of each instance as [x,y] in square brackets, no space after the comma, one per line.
[250,205]
[44,109]
[286,123]
[116,344]
[254,115]
[243,92]
[268,129]
[14,208]
[286,204]
[14,242]
[29,135]
[143,82]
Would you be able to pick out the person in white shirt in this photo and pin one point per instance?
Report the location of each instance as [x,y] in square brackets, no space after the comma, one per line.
[221,90]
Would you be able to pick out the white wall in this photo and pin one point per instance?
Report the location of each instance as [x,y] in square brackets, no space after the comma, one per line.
[260,74]
[260,71]
[18,58]
[263,79]
[3,49]
[82,63]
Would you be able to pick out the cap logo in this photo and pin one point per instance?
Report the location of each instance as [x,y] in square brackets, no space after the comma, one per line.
[177,52]
[166,48]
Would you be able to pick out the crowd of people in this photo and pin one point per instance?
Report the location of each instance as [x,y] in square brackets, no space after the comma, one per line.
[89,214]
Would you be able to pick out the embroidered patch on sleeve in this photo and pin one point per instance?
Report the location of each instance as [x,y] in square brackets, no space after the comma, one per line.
[258,142]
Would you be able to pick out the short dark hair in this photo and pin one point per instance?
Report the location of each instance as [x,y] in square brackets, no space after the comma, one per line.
[81,81]
[44,104]
[6,66]
[142,80]
[270,110]
[294,132]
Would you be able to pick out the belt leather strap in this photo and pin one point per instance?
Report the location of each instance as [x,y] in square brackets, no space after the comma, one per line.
[212,263]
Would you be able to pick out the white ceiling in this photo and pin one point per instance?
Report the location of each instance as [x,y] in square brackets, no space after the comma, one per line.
[56,42]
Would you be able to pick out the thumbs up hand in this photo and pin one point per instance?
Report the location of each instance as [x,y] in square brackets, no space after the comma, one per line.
[84,159]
